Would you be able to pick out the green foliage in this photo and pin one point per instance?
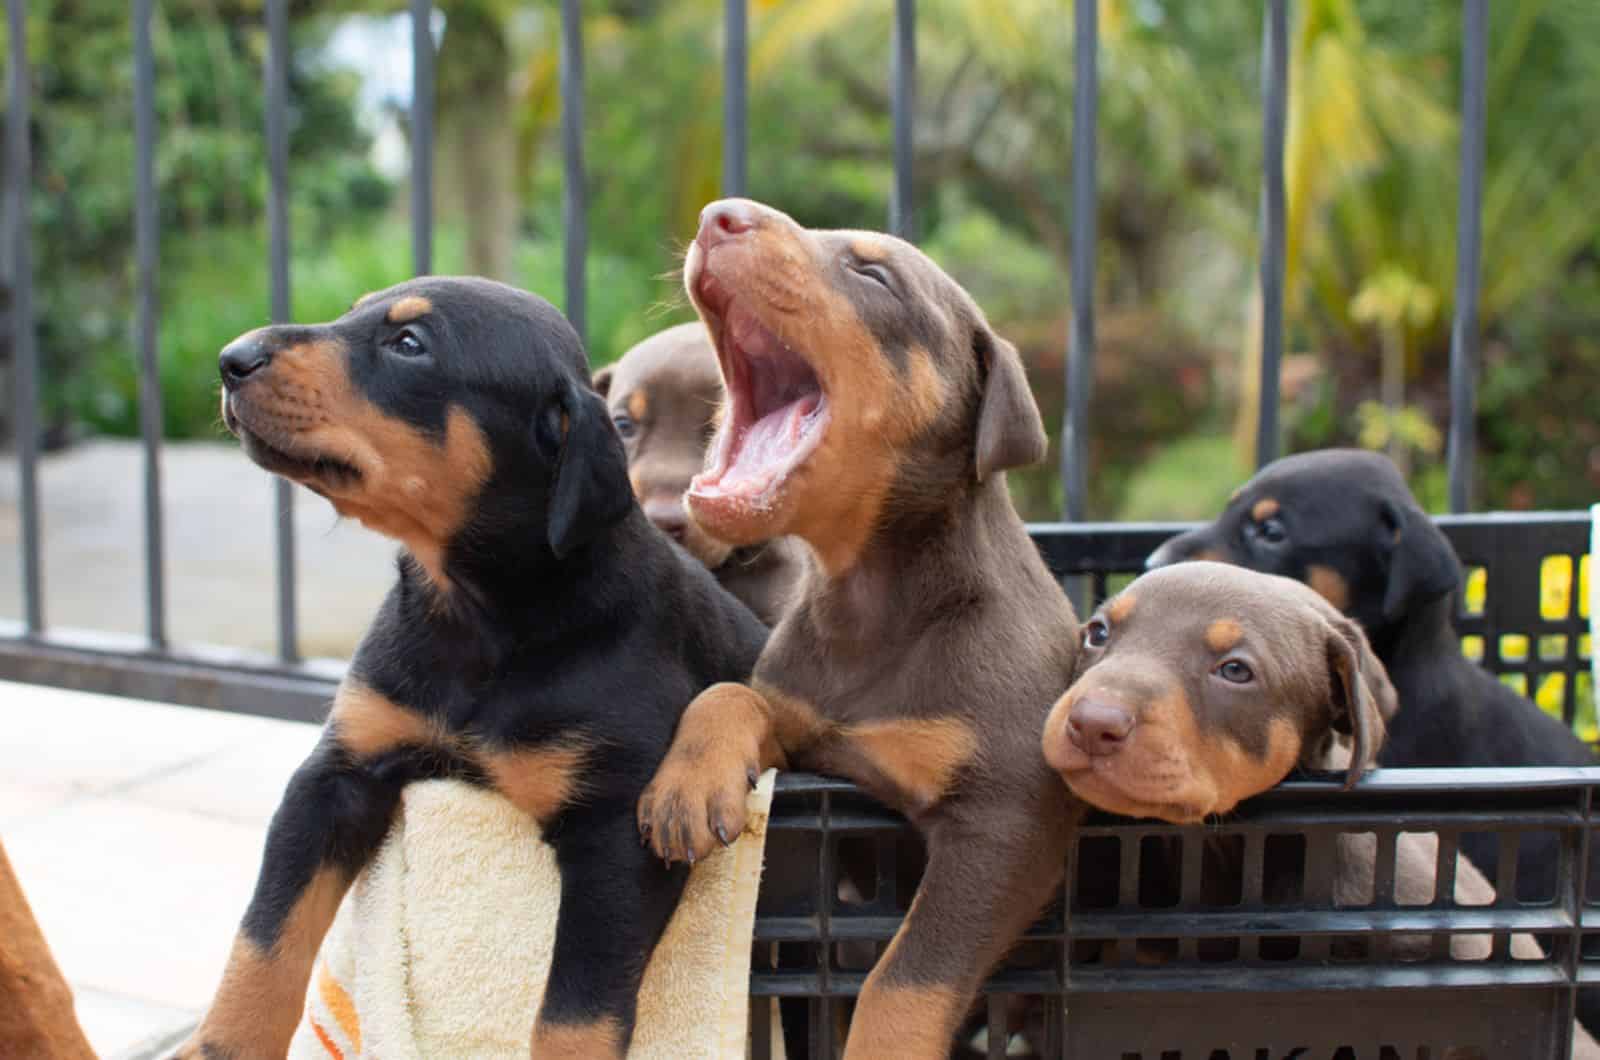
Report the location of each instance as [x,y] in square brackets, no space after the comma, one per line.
[211,180]
[1373,153]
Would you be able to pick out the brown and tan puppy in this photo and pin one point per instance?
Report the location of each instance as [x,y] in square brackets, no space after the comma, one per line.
[663,395]
[872,412]
[36,1012]
[1202,684]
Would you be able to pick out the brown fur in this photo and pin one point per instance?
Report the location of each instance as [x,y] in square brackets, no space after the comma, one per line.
[1329,584]
[369,724]
[262,995]
[1265,508]
[36,1011]
[669,389]
[586,1041]
[1122,607]
[538,780]
[1198,742]
[1221,635]
[409,487]
[921,654]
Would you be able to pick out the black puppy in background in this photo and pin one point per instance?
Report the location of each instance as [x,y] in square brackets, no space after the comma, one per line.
[1344,522]
[542,638]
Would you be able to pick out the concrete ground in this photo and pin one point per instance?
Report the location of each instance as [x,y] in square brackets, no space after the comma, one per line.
[136,830]
[220,549]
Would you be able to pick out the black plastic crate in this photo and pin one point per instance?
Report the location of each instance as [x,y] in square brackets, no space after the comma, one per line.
[1226,941]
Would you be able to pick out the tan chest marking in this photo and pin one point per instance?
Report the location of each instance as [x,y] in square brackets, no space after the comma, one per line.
[918,757]
[1329,584]
[367,723]
[540,780]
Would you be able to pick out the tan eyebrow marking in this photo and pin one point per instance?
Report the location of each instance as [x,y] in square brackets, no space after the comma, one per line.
[868,249]
[1121,608]
[1265,508]
[409,308]
[1223,634]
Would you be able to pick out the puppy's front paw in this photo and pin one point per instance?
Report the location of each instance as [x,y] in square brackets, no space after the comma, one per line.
[695,802]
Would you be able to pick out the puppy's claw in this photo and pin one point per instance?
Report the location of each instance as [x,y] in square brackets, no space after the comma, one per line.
[722,835]
[753,777]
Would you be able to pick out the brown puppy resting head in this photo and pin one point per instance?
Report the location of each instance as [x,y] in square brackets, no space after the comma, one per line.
[860,379]
[663,395]
[1203,684]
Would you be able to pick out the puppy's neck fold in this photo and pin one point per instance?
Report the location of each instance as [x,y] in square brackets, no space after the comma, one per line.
[929,563]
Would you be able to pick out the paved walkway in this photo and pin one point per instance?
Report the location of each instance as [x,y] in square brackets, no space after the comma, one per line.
[136,830]
[220,549]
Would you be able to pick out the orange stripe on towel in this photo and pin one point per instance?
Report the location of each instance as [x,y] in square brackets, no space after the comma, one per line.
[337,999]
[327,1042]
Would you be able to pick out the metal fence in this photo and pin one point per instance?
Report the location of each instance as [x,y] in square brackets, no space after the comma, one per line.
[285,685]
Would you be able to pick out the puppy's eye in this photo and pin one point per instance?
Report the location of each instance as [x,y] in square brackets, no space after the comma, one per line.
[407,344]
[625,425]
[1095,634]
[1234,671]
[874,272]
[1272,531]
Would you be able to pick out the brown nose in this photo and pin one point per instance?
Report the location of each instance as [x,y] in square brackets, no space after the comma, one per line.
[1098,728]
[725,219]
[668,515]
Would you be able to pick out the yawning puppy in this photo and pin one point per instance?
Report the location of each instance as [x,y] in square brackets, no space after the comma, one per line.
[872,412]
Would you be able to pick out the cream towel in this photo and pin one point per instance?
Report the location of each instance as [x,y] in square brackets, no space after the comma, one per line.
[443,945]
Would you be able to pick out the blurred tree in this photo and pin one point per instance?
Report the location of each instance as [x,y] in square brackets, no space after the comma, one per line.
[210,172]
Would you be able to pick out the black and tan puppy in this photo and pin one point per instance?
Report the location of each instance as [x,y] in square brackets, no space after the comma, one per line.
[542,638]
[872,412]
[664,394]
[1203,684]
[1344,522]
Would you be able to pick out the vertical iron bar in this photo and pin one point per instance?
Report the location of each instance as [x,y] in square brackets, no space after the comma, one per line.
[147,243]
[902,208]
[574,206]
[278,47]
[421,137]
[25,356]
[1080,351]
[735,90]
[1469,222]
[1275,93]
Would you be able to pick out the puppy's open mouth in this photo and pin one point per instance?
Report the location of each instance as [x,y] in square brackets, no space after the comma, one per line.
[282,456]
[776,415]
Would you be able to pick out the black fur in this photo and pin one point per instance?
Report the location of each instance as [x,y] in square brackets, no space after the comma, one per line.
[562,615]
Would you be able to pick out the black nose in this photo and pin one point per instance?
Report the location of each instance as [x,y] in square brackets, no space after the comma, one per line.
[242,358]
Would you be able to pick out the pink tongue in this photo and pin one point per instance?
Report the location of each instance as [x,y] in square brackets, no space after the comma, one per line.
[766,446]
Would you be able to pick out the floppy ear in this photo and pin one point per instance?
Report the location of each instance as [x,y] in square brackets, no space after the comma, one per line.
[1010,429]
[1422,565]
[589,490]
[1363,698]
[602,380]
